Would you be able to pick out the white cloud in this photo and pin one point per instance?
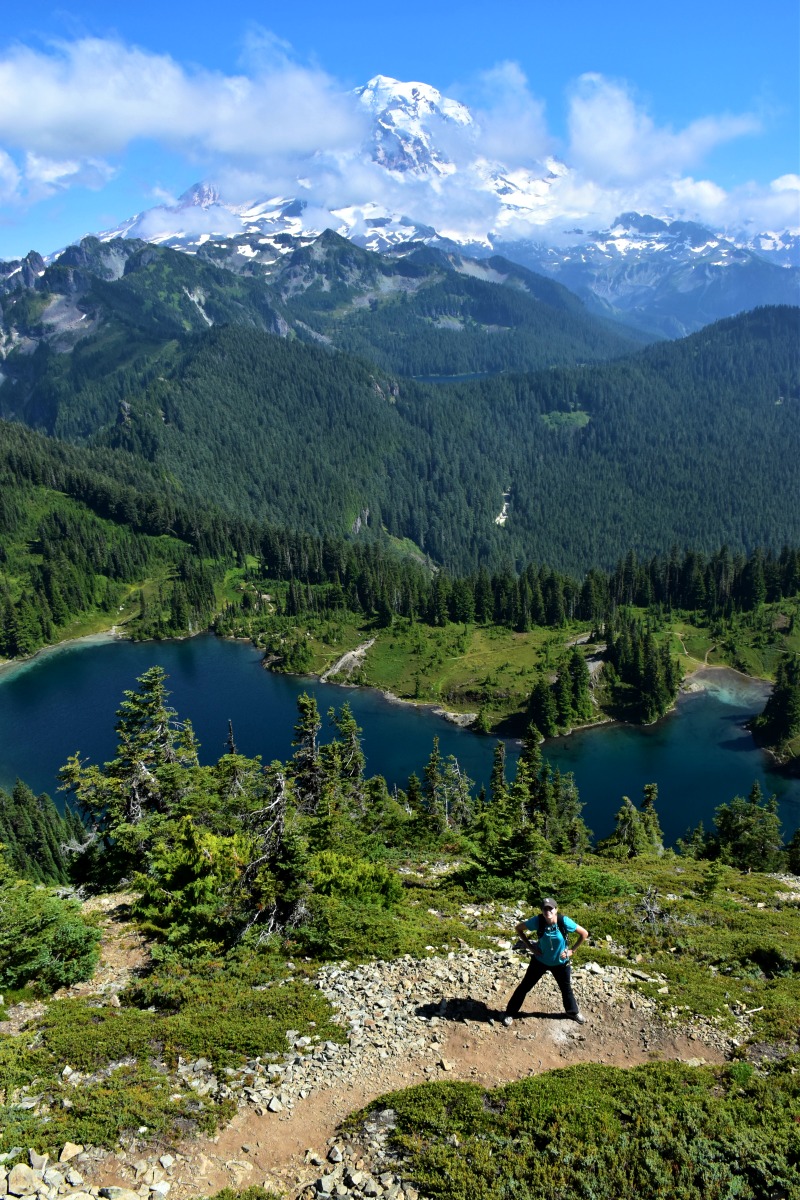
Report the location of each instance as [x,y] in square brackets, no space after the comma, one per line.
[68,114]
[510,119]
[786,183]
[613,140]
[9,178]
[159,221]
[44,175]
[91,98]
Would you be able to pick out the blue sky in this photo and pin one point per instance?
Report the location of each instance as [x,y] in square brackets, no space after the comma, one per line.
[693,106]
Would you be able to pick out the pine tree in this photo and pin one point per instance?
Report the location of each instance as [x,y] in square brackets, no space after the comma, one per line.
[498,786]
[780,719]
[748,832]
[343,759]
[581,686]
[414,794]
[650,818]
[145,776]
[542,711]
[563,698]
[433,776]
[629,838]
[307,769]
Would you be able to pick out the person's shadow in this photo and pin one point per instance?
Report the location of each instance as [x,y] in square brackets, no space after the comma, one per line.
[465,1008]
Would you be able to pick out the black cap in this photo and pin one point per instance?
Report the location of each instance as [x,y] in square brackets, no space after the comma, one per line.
[549,902]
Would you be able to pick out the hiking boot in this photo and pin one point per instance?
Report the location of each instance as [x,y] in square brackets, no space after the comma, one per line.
[579,1017]
[508,1022]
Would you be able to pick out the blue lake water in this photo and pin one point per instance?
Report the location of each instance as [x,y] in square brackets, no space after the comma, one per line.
[65,700]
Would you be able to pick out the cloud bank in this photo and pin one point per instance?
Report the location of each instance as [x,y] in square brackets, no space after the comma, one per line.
[69,113]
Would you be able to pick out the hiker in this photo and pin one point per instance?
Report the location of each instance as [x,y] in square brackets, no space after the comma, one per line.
[550,953]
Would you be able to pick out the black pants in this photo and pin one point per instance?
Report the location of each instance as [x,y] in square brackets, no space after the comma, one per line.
[536,969]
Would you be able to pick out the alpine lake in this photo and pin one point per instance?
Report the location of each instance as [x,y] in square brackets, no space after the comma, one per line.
[65,700]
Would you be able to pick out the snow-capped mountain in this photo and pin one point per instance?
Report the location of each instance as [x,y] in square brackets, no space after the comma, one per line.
[432,184]
[404,115]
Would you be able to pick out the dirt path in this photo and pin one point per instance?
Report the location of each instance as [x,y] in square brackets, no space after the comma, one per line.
[475,1053]
[467,1041]
[408,1022]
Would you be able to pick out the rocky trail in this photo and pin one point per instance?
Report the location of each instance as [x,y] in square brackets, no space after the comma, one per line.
[406,1022]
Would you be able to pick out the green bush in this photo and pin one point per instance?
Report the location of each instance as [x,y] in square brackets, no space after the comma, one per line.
[130,1053]
[43,940]
[353,879]
[182,897]
[251,1193]
[131,1097]
[87,1036]
[228,1022]
[661,1130]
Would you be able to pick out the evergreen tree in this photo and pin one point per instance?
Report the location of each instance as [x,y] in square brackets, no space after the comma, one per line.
[630,836]
[542,710]
[433,776]
[563,698]
[650,820]
[498,785]
[414,794]
[145,776]
[793,853]
[307,769]
[780,719]
[581,687]
[748,832]
[343,759]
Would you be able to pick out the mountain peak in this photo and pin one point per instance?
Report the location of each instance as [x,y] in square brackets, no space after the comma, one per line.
[200,195]
[415,100]
[405,118]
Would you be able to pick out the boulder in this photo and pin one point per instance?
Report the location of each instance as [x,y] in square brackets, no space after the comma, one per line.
[70,1151]
[23,1180]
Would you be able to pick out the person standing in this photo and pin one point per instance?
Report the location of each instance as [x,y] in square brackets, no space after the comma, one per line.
[550,952]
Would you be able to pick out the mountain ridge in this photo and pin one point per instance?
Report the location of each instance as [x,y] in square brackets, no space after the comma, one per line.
[430,182]
[293,402]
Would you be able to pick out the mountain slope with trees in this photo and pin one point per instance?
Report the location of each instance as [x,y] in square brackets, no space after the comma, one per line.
[672,445]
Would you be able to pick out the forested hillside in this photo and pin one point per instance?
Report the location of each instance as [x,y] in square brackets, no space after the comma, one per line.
[422,312]
[692,442]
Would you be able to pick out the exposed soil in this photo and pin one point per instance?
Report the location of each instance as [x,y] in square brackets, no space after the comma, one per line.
[348,663]
[485,1054]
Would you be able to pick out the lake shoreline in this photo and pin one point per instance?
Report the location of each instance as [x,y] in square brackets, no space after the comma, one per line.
[66,703]
[699,679]
[10,666]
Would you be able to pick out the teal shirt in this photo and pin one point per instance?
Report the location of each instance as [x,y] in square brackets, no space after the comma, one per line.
[551,944]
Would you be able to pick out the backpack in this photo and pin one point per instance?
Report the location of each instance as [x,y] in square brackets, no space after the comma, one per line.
[562,929]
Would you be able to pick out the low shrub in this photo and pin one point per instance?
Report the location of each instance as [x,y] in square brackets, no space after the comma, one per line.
[604,1133]
[228,1023]
[44,941]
